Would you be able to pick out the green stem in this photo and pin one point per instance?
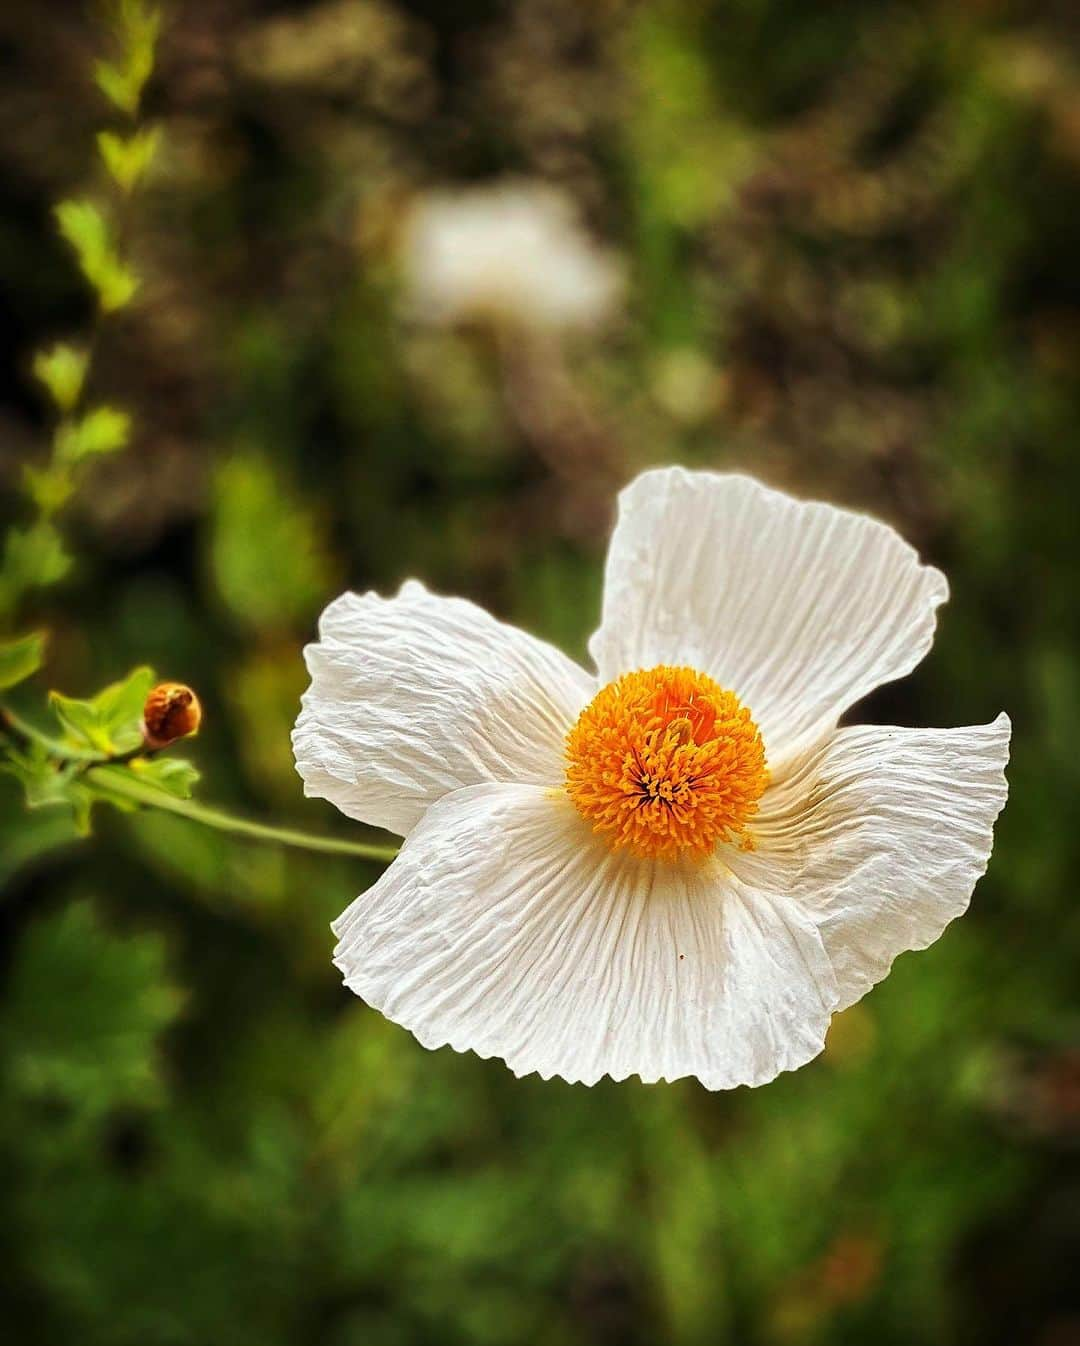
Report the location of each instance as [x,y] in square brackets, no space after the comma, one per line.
[115,780]
[112,778]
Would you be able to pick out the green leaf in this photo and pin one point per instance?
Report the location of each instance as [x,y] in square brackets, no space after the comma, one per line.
[268,546]
[33,557]
[128,159]
[49,487]
[116,286]
[62,371]
[81,722]
[117,87]
[47,785]
[92,1051]
[85,227]
[26,837]
[122,81]
[103,430]
[122,702]
[110,722]
[174,775]
[21,658]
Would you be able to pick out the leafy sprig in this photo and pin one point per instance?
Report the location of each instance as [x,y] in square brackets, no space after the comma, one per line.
[101,750]
[95,227]
[54,765]
[106,748]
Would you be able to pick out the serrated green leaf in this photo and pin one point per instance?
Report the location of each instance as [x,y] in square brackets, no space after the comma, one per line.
[121,705]
[174,775]
[85,227]
[47,785]
[103,430]
[21,658]
[33,558]
[110,722]
[94,1052]
[128,159]
[81,722]
[62,371]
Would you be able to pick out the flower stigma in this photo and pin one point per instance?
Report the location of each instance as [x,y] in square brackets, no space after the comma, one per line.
[665,762]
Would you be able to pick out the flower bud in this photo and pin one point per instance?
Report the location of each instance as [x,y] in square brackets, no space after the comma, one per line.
[171,711]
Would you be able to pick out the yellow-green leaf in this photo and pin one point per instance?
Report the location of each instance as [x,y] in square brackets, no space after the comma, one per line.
[128,159]
[85,227]
[110,722]
[115,83]
[103,430]
[61,370]
[81,722]
[122,81]
[121,706]
[21,658]
[116,286]
[49,487]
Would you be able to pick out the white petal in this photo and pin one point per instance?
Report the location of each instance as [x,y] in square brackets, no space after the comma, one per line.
[415,696]
[506,928]
[882,835]
[799,608]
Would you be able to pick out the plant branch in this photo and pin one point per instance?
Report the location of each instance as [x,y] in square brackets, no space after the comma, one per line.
[116,781]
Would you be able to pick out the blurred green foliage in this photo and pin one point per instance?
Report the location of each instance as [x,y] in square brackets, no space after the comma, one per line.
[851,233]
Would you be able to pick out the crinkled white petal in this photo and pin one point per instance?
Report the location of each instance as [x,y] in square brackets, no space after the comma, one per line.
[506,928]
[880,835]
[416,696]
[798,608]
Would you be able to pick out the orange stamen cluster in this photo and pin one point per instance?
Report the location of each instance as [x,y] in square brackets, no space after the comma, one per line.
[666,761]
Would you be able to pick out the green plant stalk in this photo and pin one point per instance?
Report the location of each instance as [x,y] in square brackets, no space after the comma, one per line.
[110,777]
[115,780]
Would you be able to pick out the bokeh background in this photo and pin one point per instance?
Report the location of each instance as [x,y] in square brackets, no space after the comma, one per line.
[847,235]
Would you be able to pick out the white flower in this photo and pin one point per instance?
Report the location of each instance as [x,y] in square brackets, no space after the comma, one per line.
[678,865]
[513,253]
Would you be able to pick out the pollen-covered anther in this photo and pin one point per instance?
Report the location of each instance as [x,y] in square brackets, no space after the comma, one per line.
[171,711]
[665,761]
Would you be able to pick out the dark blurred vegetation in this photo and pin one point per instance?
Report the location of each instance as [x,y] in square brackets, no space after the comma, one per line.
[851,235]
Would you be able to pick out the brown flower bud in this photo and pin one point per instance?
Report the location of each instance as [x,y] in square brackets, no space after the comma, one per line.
[171,711]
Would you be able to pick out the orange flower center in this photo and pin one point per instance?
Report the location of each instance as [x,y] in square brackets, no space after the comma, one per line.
[666,761]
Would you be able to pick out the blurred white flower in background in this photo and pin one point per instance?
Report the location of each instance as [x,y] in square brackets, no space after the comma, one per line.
[515,253]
